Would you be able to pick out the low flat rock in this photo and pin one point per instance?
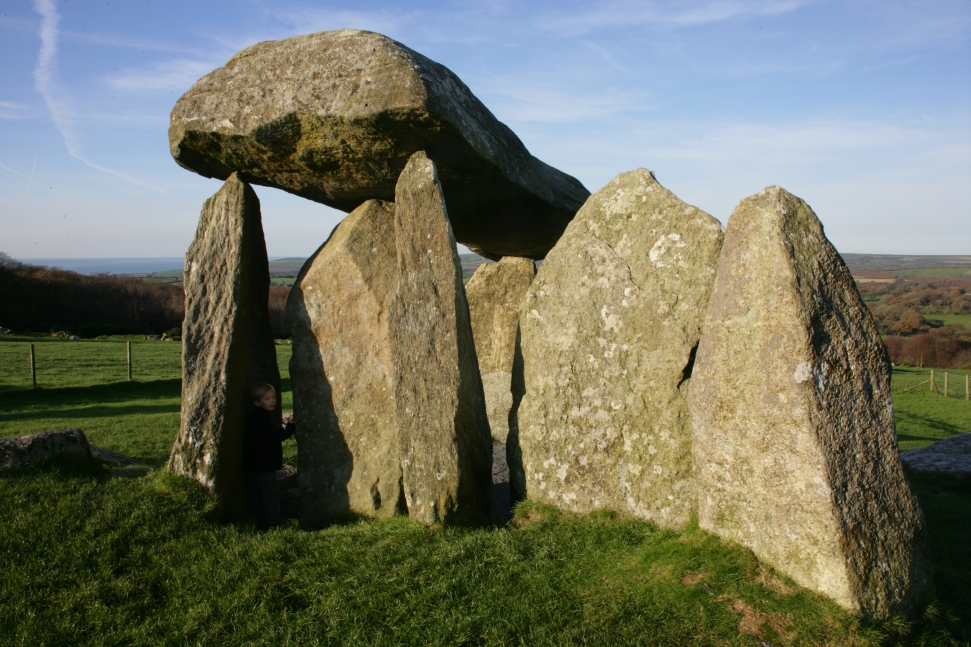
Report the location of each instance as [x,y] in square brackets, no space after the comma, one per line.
[55,444]
[609,328]
[495,293]
[951,455]
[341,367]
[443,430]
[335,116]
[794,447]
[227,343]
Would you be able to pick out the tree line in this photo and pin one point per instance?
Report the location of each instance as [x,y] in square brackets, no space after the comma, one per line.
[34,298]
[901,310]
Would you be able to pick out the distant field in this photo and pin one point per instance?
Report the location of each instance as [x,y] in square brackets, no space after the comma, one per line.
[943,272]
[961,320]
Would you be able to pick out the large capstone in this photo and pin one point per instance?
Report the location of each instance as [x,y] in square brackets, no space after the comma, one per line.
[794,447]
[227,343]
[609,330]
[335,116]
[343,394]
[495,294]
[443,430]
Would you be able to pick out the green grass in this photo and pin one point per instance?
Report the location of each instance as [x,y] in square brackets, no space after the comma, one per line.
[940,272]
[84,384]
[91,559]
[961,320]
[924,417]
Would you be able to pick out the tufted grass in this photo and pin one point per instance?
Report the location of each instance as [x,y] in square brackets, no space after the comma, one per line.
[90,559]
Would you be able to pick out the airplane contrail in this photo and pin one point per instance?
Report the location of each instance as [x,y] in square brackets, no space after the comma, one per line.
[58,102]
[7,168]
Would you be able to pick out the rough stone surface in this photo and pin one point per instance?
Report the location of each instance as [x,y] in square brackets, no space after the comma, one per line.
[495,292]
[951,455]
[443,430]
[609,327]
[343,394]
[54,444]
[227,343]
[794,448]
[334,117]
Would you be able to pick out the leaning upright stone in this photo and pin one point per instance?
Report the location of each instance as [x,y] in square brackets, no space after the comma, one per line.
[443,430]
[343,395]
[794,448]
[227,343]
[609,330]
[495,293]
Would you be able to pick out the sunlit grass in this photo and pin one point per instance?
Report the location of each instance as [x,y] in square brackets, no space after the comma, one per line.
[91,559]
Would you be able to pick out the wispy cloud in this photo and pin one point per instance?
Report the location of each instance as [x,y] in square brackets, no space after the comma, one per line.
[306,19]
[13,110]
[144,44]
[57,100]
[628,13]
[176,74]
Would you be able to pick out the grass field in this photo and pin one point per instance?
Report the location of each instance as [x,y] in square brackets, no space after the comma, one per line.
[90,559]
[961,320]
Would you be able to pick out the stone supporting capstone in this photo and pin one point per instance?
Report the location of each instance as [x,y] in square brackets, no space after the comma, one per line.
[495,293]
[443,429]
[341,367]
[227,343]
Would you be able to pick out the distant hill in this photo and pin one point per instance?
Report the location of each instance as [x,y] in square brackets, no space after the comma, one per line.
[865,267]
[889,267]
[287,268]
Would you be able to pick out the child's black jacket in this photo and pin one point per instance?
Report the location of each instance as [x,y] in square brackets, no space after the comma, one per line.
[263,448]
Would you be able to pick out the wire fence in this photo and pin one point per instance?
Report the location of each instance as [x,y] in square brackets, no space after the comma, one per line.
[57,363]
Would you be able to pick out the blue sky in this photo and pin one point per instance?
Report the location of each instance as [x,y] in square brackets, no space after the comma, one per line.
[863,109]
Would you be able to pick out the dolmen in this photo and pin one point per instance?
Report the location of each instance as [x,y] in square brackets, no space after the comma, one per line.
[657,363]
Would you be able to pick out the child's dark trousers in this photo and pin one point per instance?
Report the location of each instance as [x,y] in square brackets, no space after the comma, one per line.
[264,498]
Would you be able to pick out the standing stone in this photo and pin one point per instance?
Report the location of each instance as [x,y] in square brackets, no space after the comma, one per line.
[495,293]
[443,430]
[227,343]
[609,330]
[335,116]
[794,446]
[343,394]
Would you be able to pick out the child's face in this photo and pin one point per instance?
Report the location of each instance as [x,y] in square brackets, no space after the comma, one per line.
[268,401]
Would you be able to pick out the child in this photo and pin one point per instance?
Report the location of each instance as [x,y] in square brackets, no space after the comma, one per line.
[263,455]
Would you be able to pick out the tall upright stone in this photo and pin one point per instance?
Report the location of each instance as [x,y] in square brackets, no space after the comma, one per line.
[794,447]
[443,430]
[495,294]
[227,343]
[609,330]
[341,367]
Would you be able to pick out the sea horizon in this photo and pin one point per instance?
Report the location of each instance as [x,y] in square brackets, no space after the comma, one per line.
[117,265]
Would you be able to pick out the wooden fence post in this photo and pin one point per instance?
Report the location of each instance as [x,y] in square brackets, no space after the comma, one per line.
[967,387]
[128,344]
[33,367]
[945,384]
[933,383]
